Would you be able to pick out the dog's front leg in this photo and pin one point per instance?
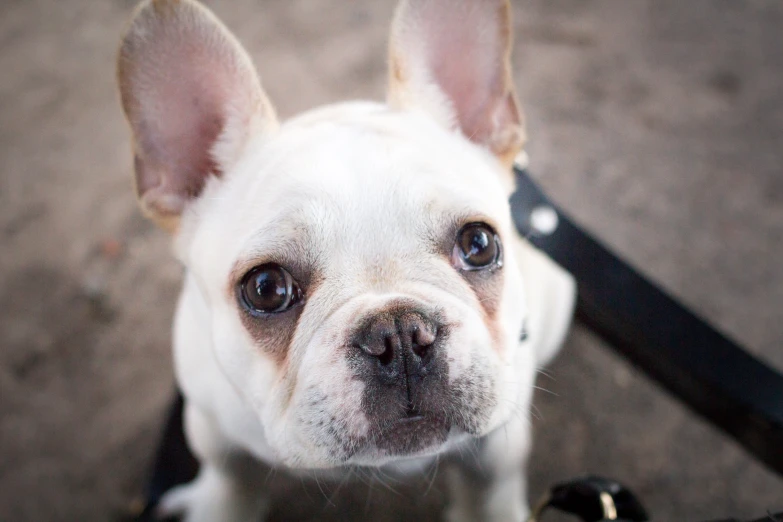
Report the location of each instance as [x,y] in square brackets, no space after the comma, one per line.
[488,482]
[228,487]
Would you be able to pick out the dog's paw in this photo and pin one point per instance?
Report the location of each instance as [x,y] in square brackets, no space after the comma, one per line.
[177,501]
[211,496]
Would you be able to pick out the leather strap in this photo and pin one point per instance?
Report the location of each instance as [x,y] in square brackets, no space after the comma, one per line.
[702,367]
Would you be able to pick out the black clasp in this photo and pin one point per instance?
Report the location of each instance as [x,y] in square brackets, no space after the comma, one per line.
[593,499]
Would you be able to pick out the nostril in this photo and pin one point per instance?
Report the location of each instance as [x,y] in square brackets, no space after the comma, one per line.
[421,351]
[390,338]
[387,356]
[387,347]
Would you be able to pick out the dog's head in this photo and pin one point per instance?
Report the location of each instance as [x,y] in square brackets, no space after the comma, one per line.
[363,297]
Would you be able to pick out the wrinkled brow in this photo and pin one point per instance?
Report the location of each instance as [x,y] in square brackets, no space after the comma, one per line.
[286,240]
[297,236]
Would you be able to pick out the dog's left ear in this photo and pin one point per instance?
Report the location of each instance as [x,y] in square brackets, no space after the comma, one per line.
[451,58]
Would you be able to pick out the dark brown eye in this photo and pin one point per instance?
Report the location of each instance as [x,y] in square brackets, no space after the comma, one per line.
[269,289]
[478,246]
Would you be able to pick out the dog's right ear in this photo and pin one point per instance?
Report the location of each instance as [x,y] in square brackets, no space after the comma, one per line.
[193,100]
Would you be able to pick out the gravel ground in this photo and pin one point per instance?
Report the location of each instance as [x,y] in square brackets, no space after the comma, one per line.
[656,123]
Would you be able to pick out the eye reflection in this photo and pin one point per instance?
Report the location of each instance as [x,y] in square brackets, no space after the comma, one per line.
[477,247]
[269,289]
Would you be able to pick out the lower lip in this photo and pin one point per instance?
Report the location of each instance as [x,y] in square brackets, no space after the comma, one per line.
[414,435]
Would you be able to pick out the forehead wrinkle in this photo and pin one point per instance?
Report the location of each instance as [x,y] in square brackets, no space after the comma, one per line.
[363,192]
[290,234]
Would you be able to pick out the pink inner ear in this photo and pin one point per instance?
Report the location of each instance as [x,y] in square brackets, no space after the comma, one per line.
[466,46]
[180,121]
[469,94]
[191,95]
[463,46]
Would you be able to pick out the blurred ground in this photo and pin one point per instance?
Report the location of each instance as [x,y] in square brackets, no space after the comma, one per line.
[657,123]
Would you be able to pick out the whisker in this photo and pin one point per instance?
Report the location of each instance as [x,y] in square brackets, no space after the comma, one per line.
[545,373]
[318,483]
[369,494]
[340,485]
[537,412]
[383,483]
[434,475]
[305,489]
[545,390]
[270,474]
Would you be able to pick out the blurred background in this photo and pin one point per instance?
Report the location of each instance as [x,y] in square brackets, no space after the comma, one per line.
[657,123]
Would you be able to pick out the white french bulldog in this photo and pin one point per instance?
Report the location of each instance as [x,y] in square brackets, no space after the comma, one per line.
[355,289]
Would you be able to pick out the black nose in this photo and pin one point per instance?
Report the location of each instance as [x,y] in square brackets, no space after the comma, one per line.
[399,339]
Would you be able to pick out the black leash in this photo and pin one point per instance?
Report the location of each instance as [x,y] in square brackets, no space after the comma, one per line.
[597,499]
[592,499]
[174,464]
[702,367]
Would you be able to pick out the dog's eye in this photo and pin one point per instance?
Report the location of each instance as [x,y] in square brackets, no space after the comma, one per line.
[269,289]
[478,246]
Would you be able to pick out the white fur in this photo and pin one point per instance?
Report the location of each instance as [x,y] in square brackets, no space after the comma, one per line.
[359,190]
[219,368]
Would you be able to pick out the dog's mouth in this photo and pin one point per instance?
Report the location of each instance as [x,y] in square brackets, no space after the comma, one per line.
[412,416]
[412,434]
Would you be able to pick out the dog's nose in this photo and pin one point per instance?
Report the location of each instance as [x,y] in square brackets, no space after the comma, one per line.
[399,340]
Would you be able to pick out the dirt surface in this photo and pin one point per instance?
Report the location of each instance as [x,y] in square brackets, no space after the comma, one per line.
[657,123]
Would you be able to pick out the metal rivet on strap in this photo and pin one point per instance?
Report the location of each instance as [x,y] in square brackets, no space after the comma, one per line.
[543,220]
